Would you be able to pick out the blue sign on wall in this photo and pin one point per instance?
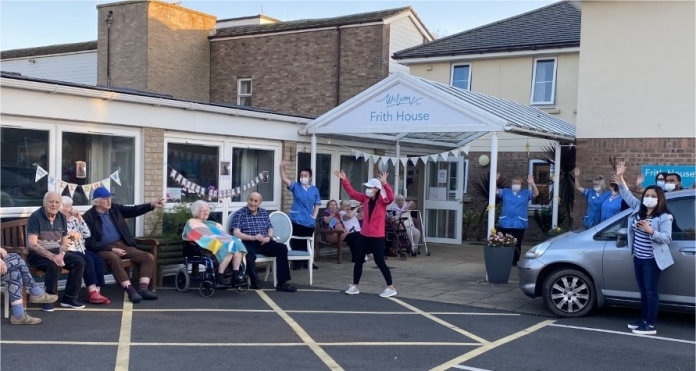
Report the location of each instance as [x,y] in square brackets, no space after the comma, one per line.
[687,173]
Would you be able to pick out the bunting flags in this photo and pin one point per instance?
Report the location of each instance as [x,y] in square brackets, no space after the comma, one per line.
[192,187]
[377,159]
[59,185]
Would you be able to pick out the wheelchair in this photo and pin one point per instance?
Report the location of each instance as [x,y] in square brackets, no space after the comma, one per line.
[397,238]
[195,256]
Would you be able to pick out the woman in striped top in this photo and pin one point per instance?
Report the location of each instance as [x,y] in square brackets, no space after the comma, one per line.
[649,233]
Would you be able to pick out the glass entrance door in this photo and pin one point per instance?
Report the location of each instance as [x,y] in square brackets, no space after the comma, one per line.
[444,186]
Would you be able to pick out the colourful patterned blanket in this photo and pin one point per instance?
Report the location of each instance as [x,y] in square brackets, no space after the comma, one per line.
[213,237]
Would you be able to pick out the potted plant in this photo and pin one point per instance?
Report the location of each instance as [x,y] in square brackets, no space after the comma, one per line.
[497,255]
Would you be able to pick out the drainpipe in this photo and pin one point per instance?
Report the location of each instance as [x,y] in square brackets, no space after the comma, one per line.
[338,66]
[109,21]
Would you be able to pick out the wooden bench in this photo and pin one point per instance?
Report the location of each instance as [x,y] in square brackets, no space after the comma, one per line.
[13,240]
[321,240]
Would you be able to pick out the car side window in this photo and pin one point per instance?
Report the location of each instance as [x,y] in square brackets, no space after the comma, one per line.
[609,233]
[683,211]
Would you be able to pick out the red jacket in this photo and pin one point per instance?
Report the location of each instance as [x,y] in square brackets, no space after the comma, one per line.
[374,224]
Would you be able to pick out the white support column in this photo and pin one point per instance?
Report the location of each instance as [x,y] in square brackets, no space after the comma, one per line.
[396,167]
[556,184]
[313,161]
[492,183]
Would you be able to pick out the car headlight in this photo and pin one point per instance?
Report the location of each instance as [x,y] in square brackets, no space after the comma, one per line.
[538,250]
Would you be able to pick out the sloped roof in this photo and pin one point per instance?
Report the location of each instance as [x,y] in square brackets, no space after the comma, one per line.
[553,26]
[303,24]
[49,50]
[456,116]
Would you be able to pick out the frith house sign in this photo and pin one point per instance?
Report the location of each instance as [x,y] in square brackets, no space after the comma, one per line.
[400,108]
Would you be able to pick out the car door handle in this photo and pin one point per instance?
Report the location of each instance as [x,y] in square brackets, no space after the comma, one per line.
[688,251]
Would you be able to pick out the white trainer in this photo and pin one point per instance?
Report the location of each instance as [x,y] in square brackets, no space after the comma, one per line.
[388,293]
[352,290]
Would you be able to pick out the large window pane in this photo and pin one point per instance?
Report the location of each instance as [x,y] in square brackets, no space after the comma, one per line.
[196,163]
[683,225]
[22,150]
[544,81]
[356,171]
[246,165]
[322,174]
[440,223]
[88,158]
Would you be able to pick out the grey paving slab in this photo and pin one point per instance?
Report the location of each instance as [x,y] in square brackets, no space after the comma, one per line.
[63,357]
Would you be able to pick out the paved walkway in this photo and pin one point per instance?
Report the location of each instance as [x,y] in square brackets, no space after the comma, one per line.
[451,274]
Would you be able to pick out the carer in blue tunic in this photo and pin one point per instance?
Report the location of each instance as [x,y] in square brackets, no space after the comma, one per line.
[612,205]
[514,218]
[595,197]
[304,209]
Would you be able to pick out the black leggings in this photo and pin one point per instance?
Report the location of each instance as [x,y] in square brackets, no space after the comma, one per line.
[375,245]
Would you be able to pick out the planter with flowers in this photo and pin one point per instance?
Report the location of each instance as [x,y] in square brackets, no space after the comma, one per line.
[498,254]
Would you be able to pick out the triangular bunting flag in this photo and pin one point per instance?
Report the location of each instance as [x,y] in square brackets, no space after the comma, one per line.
[107,184]
[435,156]
[96,185]
[357,154]
[366,157]
[117,179]
[86,188]
[258,180]
[178,179]
[376,158]
[253,183]
[424,159]
[244,187]
[40,173]
[239,191]
[465,149]
[414,160]
[51,183]
[71,188]
[232,193]
[173,174]
[61,187]
[445,155]
[403,160]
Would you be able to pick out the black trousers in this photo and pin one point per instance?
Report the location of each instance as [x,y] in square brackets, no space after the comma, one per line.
[272,248]
[518,233]
[73,262]
[376,246]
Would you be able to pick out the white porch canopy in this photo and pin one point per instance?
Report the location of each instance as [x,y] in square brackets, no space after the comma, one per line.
[409,109]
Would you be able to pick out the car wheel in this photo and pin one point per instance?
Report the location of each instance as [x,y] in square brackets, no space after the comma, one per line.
[569,293]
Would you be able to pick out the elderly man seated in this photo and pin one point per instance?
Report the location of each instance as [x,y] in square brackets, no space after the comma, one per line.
[112,240]
[252,225]
[47,241]
[213,237]
[401,209]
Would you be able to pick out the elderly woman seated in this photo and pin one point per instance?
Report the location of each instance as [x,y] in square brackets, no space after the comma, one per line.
[400,209]
[212,237]
[15,272]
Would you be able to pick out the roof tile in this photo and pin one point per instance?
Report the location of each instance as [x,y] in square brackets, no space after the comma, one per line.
[48,50]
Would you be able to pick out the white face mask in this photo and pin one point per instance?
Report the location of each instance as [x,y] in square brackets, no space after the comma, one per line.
[670,187]
[597,189]
[660,183]
[304,181]
[650,202]
[516,187]
[369,192]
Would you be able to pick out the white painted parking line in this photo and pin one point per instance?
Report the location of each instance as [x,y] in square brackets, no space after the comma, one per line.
[124,338]
[625,333]
[469,368]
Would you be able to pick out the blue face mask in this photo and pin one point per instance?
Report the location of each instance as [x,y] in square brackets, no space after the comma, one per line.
[660,183]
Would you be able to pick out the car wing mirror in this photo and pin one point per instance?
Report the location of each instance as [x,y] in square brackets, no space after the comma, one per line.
[622,237]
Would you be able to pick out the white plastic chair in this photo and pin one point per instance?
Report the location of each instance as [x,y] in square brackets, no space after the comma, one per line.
[282,230]
[260,258]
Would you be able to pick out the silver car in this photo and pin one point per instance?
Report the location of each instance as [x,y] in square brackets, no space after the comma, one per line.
[578,271]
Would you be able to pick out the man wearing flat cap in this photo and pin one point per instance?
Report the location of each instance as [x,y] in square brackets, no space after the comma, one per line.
[113,241]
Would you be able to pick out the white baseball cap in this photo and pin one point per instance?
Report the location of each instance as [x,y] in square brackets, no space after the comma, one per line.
[374,182]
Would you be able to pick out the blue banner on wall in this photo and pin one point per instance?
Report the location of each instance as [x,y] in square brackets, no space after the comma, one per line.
[687,173]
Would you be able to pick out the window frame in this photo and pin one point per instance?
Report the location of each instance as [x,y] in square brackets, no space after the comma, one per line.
[454,66]
[234,143]
[553,85]
[241,95]
[533,161]
[332,154]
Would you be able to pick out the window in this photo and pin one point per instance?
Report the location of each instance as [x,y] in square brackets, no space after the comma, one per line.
[541,171]
[22,150]
[461,76]
[356,171]
[544,81]
[246,165]
[244,92]
[197,163]
[683,211]
[322,174]
[89,158]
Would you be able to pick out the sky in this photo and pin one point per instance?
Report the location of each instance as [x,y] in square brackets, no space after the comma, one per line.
[26,23]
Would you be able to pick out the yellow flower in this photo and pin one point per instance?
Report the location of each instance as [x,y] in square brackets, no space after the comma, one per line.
[558,229]
[493,231]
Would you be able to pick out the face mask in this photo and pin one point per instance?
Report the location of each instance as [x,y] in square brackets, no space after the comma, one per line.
[369,192]
[304,181]
[649,202]
[597,189]
[516,187]
[660,183]
[670,187]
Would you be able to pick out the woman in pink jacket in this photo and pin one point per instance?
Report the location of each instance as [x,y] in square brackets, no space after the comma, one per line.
[375,200]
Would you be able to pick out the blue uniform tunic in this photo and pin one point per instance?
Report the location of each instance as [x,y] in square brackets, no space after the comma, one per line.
[515,206]
[610,207]
[304,199]
[594,206]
